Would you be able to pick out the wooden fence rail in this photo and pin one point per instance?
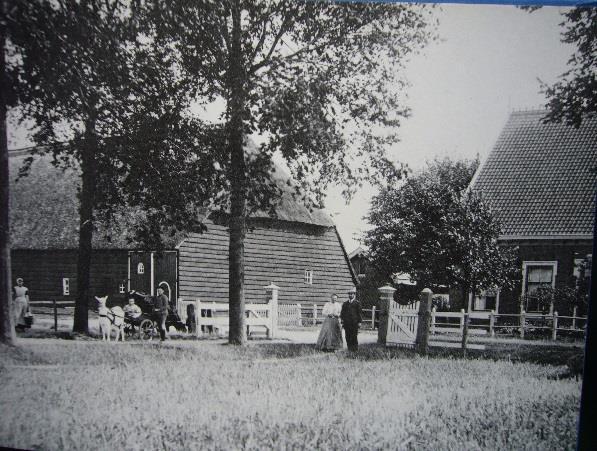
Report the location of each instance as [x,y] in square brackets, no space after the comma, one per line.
[487,323]
[53,308]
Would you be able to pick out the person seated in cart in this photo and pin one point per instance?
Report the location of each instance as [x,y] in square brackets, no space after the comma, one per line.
[132,312]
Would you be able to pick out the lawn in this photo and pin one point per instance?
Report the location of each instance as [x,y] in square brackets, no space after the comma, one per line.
[86,394]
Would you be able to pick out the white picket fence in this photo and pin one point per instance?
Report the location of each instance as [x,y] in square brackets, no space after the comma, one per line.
[290,315]
[490,323]
[212,317]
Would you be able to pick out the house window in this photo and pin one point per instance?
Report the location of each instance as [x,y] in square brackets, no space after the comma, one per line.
[65,286]
[487,300]
[121,288]
[309,276]
[140,268]
[537,275]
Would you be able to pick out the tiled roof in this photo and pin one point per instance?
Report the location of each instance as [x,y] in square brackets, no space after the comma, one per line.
[540,179]
[44,210]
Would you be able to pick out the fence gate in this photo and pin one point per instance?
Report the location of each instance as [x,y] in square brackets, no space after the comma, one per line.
[402,324]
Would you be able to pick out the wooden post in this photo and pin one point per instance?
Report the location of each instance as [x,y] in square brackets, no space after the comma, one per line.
[315,314]
[554,330]
[55,315]
[574,311]
[197,317]
[300,318]
[271,294]
[467,319]
[522,323]
[492,323]
[461,320]
[422,342]
[373,318]
[386,296]
[433,310]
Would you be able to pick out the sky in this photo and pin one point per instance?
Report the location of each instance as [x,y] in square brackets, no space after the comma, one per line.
[486,64]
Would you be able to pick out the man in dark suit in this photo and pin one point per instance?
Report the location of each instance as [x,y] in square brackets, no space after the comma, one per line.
[351,316]
[160,310]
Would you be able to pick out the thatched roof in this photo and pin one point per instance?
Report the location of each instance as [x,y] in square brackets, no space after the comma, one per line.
[44,210]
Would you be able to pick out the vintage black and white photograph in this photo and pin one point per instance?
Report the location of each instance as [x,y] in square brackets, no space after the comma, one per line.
[296,224]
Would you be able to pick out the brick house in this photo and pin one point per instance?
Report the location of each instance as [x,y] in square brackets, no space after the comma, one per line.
[539,180]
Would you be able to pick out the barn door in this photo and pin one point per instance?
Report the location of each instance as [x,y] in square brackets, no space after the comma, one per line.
[148,270]
[165,273]
[402,323]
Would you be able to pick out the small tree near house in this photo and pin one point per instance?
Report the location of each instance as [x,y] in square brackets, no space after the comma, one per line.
[434,229]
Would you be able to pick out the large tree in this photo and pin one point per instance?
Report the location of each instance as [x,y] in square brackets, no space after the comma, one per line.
[439,232]
[319,81]
[575,94]
[7,333]
[104,100]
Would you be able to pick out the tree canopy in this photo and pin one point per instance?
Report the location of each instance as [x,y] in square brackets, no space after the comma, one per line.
[319,82]
[437,231]
[103,99]
[575,94]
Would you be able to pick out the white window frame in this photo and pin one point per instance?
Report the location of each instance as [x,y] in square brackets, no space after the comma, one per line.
[308,276]
[482,298]
[65,286]
[526,264]
[140,268]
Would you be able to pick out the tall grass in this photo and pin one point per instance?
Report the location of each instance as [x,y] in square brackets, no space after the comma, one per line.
[204,395]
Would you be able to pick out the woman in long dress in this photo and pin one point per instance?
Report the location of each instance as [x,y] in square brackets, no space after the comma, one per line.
[21,304]
[330,336]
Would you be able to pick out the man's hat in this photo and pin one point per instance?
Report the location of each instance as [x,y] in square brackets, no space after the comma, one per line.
[352,290]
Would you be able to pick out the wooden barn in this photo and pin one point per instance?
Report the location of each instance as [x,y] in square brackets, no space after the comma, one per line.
[300,250]
[540,180]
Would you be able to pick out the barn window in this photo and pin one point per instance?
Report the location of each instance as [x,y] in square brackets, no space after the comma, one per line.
[121,288]
[140,268]
[65,286]
[309,276]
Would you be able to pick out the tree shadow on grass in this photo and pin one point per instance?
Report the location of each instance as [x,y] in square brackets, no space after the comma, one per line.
[285,350]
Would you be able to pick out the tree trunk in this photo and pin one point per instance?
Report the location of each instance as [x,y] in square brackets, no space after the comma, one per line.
[87,200]
[238,183]
[7,331]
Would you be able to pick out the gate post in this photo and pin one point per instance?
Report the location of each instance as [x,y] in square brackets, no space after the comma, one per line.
[386,296]
[198,327]
[271,294]
[423,324]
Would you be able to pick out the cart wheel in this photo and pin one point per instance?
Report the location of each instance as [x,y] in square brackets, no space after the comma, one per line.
[146,329]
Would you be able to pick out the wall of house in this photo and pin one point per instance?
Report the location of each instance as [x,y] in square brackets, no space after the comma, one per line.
[43,271]
[564,252]
[275,251]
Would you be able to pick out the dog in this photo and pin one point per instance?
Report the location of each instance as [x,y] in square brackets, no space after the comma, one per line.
[110,318]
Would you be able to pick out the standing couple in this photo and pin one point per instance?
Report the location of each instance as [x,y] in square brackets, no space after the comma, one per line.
[330,336]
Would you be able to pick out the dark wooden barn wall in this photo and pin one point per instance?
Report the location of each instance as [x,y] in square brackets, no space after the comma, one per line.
[43,271]
[276,253]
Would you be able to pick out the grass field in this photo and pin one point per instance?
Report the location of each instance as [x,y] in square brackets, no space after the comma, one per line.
[61,394]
